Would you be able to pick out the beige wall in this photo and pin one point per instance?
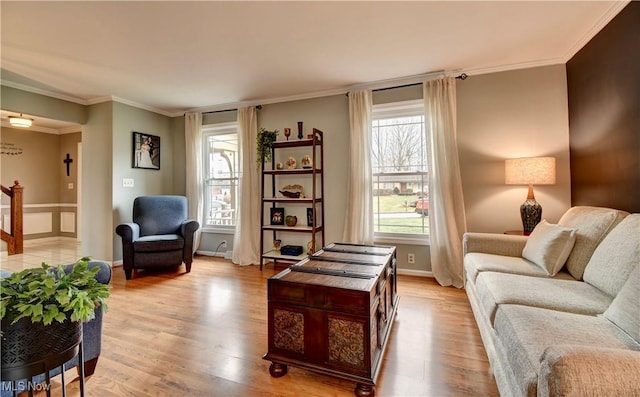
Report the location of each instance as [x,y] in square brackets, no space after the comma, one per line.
[40,169]
[126,120]
[97,148]
[37,168]
[40,105]
[502,115]
[520,113]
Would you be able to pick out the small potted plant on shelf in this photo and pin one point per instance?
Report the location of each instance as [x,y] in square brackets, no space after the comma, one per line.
[42,309]
[264,141]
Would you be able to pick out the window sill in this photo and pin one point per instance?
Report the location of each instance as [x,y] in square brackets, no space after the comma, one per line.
[219,229]
[402,240]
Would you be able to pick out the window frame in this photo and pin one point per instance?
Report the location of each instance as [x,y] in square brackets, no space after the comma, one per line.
[396,110]
[209,130]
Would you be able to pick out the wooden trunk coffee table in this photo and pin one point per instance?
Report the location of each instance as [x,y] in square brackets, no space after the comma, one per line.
[332,313]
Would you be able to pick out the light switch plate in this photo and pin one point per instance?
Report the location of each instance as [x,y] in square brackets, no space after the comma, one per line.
[127,182]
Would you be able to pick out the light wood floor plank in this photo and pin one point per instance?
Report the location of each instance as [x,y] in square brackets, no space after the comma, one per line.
[204,334]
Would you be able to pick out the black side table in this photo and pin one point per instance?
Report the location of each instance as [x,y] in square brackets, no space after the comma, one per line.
[43,365]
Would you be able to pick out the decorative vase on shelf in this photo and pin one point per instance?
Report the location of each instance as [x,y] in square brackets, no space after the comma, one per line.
[300,135]
[287,133]
[291,220]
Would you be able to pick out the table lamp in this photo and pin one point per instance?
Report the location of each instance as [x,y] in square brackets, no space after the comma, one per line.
[530,171]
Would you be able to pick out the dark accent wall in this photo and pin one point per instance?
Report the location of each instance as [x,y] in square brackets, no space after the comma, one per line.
[603,81]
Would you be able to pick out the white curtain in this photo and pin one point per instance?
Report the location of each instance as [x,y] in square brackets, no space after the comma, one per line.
[447,220]
[195,187]
[246,241]
[358,227]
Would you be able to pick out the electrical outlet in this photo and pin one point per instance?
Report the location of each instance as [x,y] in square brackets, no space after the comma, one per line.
[223,243]
[411,258]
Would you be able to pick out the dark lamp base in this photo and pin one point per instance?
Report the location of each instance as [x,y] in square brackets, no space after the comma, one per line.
[531,214]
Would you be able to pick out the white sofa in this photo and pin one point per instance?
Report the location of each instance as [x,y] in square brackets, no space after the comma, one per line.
[573,333]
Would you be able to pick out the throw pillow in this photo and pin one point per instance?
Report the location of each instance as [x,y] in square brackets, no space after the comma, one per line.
[549,246]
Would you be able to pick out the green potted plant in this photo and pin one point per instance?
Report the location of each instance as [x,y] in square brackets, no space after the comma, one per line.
[42,310]
[264,141]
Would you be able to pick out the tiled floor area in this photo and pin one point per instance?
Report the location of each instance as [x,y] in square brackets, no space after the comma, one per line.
[52,251]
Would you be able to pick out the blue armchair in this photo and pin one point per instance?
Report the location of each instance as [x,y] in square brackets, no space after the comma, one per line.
[159,236]
[91,337]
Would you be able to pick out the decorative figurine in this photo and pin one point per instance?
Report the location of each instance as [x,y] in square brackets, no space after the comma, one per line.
[287,133]
[305,161]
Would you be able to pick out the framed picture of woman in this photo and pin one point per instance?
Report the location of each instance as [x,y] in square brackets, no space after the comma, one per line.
[146,151]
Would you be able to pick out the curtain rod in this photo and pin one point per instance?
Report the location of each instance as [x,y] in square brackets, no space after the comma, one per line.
[259,107]
[462,76]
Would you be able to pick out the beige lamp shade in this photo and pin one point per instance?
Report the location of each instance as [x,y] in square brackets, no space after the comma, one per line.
[530,171]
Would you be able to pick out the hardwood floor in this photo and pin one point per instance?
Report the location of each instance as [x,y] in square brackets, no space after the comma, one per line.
[204,334]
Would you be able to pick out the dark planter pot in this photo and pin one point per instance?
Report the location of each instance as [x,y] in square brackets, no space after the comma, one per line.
[29,349]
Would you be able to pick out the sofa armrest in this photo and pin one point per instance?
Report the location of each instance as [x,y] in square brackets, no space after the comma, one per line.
[573,370]
[493,243]
[188,230]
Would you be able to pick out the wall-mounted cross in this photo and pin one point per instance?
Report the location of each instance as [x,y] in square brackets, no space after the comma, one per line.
[68,162]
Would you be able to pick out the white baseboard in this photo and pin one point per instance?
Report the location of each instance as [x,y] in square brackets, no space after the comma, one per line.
[417,273]
[225,254]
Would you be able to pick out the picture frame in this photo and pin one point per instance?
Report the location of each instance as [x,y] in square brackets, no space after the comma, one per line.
[309,216]
[276,216]
[146,151]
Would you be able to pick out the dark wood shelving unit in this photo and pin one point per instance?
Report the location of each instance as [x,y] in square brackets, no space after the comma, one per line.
[315,200]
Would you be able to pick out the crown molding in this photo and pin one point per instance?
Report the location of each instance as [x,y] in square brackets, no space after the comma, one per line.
[513,66]
[611,13]
[41,91]
[319,94]
[124,101]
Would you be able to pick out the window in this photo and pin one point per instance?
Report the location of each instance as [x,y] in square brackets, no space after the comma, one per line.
[221,178]
[400,173]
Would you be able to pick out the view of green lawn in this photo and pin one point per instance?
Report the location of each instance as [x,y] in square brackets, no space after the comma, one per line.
[393,214]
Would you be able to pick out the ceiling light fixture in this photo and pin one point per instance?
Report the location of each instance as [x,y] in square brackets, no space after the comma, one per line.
[20,122]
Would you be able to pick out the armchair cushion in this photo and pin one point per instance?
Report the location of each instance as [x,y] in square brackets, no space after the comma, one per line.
[168,242]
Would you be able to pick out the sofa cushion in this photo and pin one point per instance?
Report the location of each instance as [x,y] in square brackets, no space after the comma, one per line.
[593,223]
[475,263]
[549,246]
[571,296]
[624,311]
[525,332]
[616,257]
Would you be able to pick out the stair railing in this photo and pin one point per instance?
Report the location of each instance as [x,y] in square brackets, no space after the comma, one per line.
[14,238]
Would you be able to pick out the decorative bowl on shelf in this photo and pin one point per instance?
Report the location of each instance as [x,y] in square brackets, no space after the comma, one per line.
[291,220]
[292,191]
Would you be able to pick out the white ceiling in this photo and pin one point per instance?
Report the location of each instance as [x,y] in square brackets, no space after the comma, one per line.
[177,56]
